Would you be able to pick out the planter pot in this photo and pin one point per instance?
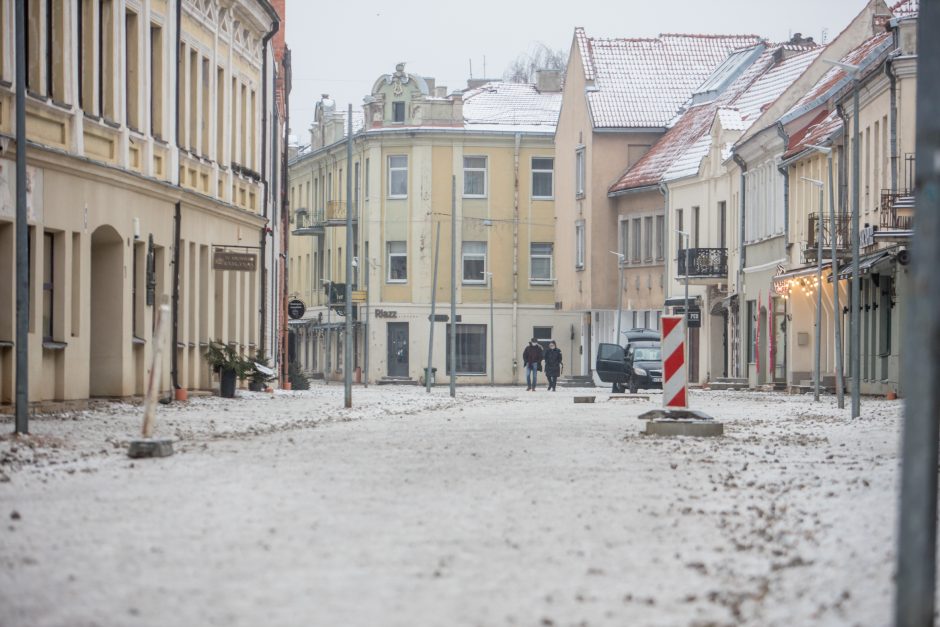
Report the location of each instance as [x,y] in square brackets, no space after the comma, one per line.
[287,385]
[227,383]
[892,396]
[256,386]
[181,394]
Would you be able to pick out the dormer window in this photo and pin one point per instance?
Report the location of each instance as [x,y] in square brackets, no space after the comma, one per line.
[398,112]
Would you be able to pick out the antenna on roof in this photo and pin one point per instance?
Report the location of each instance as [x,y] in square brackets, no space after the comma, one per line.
[484,66]
[471,68]
[825,36]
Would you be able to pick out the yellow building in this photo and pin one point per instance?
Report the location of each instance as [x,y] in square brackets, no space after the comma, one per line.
[149,152]
[412,140]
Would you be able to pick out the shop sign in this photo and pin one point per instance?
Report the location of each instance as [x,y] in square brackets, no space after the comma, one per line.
[385,313]
[296,309]
[236,262]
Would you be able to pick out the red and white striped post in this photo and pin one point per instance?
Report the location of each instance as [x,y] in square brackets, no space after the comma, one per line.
[675,375]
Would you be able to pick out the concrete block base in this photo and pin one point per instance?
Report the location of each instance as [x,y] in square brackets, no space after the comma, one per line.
[693,428]
[674,414]
[584,399]
[150,447]
[628,397]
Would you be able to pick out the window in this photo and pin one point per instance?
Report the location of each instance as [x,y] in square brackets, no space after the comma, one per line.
[398,176]
[156,82]
[660,234]
[648,235]
[398,111]
[397,262]
[543,177]
[695,227]
[356,186]
[48,285]
[624,240]
[106,58]
[85,54]
[679,227]
[220,116]
[367,179]
[579,173]
[470,349]
[751,330]
[474,176]
[722,224]
[474,262]
[132,71]
[540,262]
[579,245]
[542,335]
[637,235]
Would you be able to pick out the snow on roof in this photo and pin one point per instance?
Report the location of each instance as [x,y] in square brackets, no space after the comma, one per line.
[680,151]
[641,83]
[906,8]
[836,78]
[511,106]
[819,131]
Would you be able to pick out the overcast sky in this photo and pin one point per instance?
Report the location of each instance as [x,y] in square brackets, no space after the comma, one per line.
[342,47]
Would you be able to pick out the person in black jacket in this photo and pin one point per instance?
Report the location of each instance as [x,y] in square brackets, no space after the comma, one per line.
[532,360]
[552,365]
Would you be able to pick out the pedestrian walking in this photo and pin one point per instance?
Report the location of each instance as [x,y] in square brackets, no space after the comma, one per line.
[532,360]
[553,365]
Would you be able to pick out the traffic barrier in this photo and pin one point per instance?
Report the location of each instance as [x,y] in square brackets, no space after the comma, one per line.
[675,381]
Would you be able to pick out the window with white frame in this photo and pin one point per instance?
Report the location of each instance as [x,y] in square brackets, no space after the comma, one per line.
[540,263]
[397,262]
[474,262]
[579,245]
[660,234]
[474,177]
[579,172]
[543,177]
[648,238]
[398,176]
[624,240]
[637,236]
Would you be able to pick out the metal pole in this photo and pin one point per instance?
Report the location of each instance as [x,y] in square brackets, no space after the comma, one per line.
[917,529]
[329,332]
[837,310]
[688,269]
[819,252]
[619,300]
[366,327]
[22,229]
[855,337]
[453,286]
[348,344]
[492,333]
[437,252]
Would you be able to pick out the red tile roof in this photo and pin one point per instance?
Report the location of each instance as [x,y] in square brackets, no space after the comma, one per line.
[818,132]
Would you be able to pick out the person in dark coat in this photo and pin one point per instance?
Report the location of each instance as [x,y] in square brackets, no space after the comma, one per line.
[552,365]
[532,360]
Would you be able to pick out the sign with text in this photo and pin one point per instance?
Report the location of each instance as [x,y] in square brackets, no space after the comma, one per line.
[296,309]
[359,296]
[694,317]
[235,262]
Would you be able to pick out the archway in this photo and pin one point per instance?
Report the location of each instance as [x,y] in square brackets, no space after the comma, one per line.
[106,360]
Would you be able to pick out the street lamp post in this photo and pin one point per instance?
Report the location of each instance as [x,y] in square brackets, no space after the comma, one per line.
[819,249]
[489,276]
[855,330]
[328,284]
[620,259]
[836,309]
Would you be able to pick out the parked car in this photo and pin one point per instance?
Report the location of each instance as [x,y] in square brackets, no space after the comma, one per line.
[611,363]
[644,363]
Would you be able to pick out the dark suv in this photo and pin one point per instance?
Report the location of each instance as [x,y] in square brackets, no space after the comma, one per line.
[616,364]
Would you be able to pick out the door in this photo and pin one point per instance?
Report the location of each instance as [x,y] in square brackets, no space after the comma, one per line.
[610,366]
[397,349]
[780,340]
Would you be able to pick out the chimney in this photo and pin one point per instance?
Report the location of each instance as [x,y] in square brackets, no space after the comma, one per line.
[548,80]
[440,91]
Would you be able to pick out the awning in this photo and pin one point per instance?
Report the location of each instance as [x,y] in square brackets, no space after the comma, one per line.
[866,264]
[798,272]
[679,301]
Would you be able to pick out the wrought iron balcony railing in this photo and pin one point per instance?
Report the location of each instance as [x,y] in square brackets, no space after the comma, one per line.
[897,210]
[843,239]
[308,222]
[703,262]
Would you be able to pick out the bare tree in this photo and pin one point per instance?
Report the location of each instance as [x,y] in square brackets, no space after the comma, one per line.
[538,57]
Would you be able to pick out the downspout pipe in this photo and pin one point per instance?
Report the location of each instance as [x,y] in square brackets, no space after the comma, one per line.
[785,171]
[177,236]
[741,218]
[264,181]
[893,113]
[843,177]
[667,283]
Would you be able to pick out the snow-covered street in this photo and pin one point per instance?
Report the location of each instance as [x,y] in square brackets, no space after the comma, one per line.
[500,508]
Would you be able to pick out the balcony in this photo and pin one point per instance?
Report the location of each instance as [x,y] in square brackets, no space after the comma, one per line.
[843,239]
[307,222]
[897,210]
[705,265]
[336,213]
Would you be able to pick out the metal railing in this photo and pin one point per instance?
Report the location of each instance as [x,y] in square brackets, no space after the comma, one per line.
[897,210]
[842,235]
[703,262]
[305,219]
